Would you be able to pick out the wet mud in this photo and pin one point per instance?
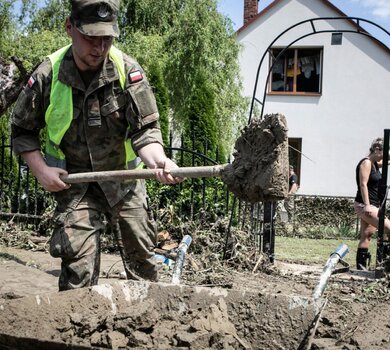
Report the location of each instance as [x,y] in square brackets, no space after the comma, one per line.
[132,314]
[259,171]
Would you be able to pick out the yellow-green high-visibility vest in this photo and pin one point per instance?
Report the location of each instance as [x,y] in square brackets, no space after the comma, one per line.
[59,114]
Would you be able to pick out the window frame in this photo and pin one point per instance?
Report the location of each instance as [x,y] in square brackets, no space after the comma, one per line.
[294,92]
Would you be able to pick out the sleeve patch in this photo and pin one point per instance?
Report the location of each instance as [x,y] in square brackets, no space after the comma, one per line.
[30,82]
[135,76]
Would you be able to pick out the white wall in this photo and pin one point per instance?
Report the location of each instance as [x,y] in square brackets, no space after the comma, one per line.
[337,127]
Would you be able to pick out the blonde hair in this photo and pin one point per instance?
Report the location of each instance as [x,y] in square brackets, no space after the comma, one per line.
[378,142]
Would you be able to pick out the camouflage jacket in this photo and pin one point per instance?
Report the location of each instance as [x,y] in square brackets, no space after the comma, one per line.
[101,115]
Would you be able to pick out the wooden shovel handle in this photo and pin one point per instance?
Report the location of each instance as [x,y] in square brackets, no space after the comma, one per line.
[191,172]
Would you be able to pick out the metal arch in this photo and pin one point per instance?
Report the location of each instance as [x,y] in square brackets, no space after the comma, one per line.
[359,30]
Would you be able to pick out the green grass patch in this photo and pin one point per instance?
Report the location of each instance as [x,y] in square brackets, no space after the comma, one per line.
[317,251]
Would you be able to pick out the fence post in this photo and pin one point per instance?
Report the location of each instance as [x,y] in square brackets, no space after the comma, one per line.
[2,174]
[228,235]
[382,209]
[269,230]
[192,180]
[181,164]
[204,179]
[19,185]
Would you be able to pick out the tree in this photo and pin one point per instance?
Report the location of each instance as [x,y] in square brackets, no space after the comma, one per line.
[49,18]
[148,50]
[10,82]
[162,98]
[149,16]
[7,26]
[202,124]
[206,42]
[194,40]
[26,44]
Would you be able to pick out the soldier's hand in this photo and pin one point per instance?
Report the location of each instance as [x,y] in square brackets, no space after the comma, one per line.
[164,174]
[50,180]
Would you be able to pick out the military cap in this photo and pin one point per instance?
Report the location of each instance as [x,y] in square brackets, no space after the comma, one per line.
[96,17]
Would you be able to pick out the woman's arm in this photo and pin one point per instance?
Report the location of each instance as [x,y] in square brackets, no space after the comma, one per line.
[364,174]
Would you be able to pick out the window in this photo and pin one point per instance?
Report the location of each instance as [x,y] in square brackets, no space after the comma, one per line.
[297,71]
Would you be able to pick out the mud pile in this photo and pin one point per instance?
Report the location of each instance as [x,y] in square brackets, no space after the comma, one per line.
[143,315]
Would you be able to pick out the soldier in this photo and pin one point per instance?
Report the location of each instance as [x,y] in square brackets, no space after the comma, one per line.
[100,114]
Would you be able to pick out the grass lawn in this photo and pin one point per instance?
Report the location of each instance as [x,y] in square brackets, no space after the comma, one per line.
[317,251]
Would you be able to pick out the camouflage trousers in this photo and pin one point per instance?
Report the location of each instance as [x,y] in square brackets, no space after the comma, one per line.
[76,238]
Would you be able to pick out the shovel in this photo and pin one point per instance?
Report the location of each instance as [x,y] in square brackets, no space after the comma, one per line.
[120,175]
[258,173]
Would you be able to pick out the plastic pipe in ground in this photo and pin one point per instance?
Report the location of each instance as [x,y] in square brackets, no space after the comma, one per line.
[181,253]
[329,267]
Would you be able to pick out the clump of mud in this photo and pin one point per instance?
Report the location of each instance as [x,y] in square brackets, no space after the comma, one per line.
[259,171]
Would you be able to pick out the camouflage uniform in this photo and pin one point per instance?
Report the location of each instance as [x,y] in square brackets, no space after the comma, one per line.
[95,142]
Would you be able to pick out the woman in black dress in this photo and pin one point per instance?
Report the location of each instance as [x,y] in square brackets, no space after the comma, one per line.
[367,200]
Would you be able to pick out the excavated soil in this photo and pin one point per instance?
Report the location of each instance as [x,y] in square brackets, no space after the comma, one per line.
[269,309]
[259,171]
[132,314]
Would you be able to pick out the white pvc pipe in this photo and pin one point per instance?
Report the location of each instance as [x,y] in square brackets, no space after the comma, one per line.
[181,253]
[329,267]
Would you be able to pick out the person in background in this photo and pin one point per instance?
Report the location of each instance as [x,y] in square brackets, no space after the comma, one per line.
[100,114]
[368,202]
[292,189]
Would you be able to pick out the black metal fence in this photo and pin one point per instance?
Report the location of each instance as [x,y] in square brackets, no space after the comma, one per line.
[23,199]
[20,194]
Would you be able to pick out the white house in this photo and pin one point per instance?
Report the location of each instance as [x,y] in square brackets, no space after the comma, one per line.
[333,88]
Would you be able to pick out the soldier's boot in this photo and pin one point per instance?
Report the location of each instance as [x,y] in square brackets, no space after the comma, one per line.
[363,258]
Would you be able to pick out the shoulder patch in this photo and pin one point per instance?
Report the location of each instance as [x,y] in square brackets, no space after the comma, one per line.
[31,82]
[135,76]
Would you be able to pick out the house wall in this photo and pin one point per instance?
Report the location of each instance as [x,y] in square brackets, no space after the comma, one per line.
[337,127]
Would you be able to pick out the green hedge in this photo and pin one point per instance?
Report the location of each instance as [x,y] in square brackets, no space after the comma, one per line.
[321,217]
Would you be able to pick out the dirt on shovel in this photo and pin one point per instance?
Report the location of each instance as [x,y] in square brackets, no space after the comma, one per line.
[259,171]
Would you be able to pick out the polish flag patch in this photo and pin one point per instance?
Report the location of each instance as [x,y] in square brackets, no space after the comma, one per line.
[30,82]
[135,76]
